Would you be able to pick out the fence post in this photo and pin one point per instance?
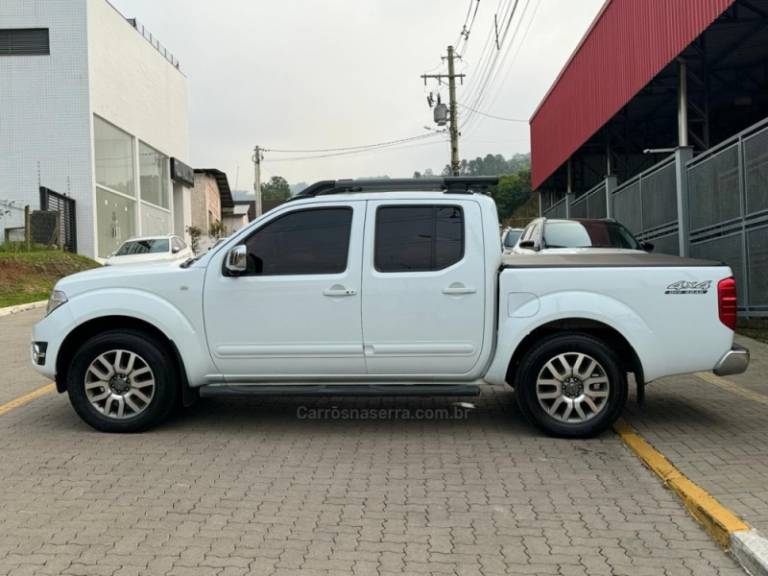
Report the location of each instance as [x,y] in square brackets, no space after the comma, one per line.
[27,228]
[682,155]
[610,185]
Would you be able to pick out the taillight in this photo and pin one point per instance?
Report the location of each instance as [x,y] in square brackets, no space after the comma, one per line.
[726,302]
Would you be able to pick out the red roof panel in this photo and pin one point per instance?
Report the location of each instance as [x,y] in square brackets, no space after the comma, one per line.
[629,42]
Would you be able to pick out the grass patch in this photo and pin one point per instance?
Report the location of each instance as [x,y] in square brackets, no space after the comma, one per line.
[30,276]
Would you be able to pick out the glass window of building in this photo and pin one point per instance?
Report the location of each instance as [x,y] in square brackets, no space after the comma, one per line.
[114,157]
[116,220]
[153,176]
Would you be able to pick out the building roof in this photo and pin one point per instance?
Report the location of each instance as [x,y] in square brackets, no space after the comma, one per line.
[629,42]
[221,181]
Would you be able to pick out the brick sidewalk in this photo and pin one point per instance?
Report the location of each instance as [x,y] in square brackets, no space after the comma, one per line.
[717,438]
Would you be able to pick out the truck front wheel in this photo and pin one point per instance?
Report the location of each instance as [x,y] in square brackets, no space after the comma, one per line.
[122,381]
[571,385]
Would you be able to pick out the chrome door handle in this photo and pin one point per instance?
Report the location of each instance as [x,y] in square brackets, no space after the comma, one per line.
[338,290]
[457,289]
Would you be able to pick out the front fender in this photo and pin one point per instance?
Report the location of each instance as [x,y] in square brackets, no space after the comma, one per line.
[521,316]
[177,326]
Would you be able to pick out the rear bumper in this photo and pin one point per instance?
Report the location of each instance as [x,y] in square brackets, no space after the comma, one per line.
[735,361]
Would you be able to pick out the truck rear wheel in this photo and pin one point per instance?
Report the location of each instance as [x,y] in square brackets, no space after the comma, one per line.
[571,385]
[122,381]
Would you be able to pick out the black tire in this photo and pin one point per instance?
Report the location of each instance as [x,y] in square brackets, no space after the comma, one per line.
[152,353]
[534,362]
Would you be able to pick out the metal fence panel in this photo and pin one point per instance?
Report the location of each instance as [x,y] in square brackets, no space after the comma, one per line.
[659,197]
[596,204]
[669,244]
[713,189]
[556,211]
[756,171]
[757,246]
[728,249]
[626,207]
[579,208]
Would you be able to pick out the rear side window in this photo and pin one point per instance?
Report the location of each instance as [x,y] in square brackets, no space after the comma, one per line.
[314,241]
[418,238]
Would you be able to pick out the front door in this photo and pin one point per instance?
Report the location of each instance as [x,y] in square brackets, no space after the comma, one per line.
[423,288]
[295,313]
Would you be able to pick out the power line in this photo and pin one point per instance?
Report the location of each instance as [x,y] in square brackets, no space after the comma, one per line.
[347,148]
[490,67]
[492,115]
[467,30]
[353,152]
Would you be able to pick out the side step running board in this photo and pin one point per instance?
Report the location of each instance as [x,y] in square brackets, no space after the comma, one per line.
[340,390]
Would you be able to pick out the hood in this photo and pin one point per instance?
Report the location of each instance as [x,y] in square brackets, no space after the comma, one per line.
[138,276]
[139,259]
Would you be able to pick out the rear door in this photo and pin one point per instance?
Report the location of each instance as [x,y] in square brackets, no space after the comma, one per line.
[423,287]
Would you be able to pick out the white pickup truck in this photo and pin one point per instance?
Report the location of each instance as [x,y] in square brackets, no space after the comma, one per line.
[395,286]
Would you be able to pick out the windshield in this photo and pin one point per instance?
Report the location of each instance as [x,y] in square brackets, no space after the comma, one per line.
[511,238]
[152,246]
[589,234]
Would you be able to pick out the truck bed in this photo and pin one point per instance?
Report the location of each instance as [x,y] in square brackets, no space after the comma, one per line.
[609,260]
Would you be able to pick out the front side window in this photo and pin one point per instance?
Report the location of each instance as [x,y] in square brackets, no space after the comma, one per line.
[314,241]
[418,238]
[151,246]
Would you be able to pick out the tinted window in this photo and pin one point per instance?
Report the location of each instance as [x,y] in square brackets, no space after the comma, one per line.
[418,238]
[511,238]
[156,246]
[306,242]
[589,234]
[24,41]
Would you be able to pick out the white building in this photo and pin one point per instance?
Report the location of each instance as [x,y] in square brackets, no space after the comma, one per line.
[93,107]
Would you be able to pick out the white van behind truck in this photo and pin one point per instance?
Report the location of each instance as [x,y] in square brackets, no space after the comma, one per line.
[396,286]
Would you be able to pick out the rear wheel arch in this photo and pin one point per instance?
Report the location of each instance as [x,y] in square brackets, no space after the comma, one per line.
[77,337]
[611,337]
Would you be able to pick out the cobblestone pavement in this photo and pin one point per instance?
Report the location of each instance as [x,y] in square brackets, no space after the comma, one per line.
[246,487]
[16,377]
[716,437]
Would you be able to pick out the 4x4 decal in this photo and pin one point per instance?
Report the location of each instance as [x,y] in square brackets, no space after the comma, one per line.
[688,287]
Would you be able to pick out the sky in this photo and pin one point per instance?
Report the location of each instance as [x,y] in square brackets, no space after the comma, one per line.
[307,75]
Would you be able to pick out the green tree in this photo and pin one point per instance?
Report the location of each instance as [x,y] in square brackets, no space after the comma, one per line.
[512,192]
[276,190]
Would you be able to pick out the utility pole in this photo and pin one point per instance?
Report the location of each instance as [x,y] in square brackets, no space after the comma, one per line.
[257,158]
[453,129]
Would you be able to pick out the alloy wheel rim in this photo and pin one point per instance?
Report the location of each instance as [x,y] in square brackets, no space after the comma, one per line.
[572,387]
[119,384]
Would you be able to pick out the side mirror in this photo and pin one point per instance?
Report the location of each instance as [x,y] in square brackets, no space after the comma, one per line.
[647,246]
[175,250]
[528,244]
[237,260]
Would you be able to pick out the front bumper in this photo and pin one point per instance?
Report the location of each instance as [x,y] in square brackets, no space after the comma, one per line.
[735,361]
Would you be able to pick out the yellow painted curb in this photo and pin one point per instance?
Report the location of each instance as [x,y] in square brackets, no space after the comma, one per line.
[21,400]
[717,520]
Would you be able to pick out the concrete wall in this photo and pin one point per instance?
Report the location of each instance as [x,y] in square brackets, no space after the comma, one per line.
[138,90]
[205,199]
[44,113]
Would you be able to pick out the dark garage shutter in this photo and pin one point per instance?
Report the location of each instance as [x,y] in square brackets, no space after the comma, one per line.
[24,41]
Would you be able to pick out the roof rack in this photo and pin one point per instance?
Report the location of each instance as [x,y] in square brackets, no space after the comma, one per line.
[452,184]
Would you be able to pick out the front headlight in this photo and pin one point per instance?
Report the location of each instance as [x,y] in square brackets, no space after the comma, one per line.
[57,299]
